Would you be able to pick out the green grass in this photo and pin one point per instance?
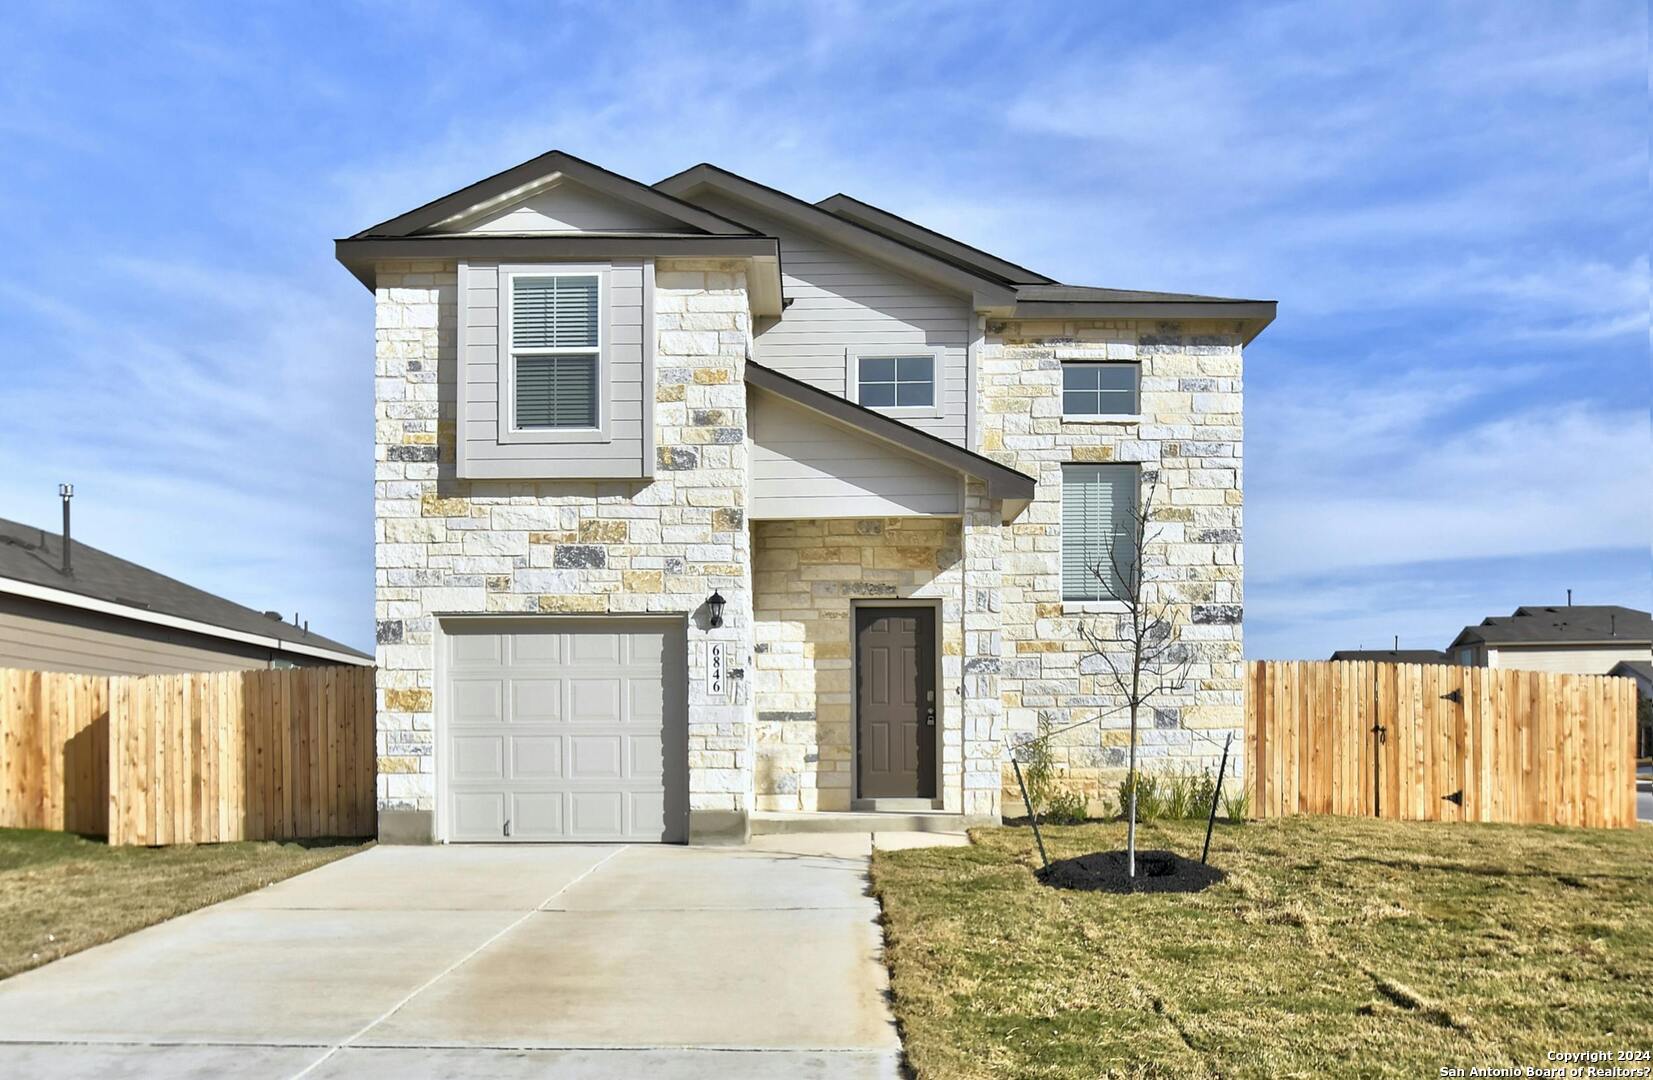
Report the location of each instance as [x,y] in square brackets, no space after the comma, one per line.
[1335,947]
[61,893]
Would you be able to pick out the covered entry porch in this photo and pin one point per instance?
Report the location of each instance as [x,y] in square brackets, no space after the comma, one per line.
[875,597]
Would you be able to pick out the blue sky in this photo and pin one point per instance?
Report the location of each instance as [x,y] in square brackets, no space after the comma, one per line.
[1450,417]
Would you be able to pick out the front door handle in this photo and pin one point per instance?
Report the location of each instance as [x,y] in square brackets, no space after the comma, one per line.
[930,716]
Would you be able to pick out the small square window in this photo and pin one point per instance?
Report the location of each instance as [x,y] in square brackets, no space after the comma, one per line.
[1101,390]
[901,382]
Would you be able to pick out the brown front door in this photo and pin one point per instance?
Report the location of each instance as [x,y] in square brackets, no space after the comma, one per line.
[895,701]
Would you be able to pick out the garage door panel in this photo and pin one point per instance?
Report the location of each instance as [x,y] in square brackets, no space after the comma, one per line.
[594,648]
[537,815]
[648,812]
[478,815]
[563,733]
[536,757]
[594,757]
[478,757]
[646,754]
[478,701]
[647,702]
[594,701]
[536,648]
[535,701]
[475,650]
[597,815]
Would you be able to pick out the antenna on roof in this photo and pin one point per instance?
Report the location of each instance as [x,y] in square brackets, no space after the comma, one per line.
[66,492]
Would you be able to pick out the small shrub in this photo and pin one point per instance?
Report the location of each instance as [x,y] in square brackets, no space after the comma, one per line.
[1150,798]
[1237,804]
[1065,806]
[1204,789]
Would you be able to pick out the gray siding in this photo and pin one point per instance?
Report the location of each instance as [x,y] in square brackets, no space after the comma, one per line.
[45,637]
[841,300]
[628,406]
[805,466]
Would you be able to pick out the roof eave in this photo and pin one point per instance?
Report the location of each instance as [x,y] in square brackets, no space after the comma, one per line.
[987,291]
[1252,316]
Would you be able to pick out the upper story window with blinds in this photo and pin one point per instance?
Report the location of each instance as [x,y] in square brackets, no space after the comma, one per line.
[556,350]
[1098,530]
[1101,391]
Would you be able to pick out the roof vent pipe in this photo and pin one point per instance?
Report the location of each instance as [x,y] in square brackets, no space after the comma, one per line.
[66,492]
[1569,598]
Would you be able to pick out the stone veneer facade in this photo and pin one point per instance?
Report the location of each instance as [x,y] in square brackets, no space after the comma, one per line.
[655,546]
[781,739]
[1190,432]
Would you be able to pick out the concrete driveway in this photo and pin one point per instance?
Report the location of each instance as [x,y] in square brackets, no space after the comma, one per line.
[559,961]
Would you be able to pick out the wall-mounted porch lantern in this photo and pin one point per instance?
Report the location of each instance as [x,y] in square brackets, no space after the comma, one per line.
[714,609]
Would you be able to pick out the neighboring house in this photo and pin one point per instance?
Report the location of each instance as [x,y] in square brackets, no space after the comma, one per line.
[1588,639]
[699,505]
[102,615]
[1641,671]
[1394,656]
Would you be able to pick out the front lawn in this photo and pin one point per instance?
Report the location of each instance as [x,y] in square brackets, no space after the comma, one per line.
[1336,946]
[60,893]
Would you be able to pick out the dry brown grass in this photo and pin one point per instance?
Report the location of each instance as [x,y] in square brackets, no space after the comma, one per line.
[1335,947]
[61,893]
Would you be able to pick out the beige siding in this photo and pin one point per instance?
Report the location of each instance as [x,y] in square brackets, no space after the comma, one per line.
[804,466]
[625,453]
[568,207]
[44,637]
[1581,660]
[842,301]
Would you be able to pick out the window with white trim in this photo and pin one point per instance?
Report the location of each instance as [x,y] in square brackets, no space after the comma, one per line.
[556,350]
[896,379]
[1098,530]
[1100,390]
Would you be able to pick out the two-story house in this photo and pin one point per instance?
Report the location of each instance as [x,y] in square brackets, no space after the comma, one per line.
[700,507]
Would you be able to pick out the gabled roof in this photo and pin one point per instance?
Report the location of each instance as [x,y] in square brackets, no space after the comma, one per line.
[31,563]
[1579,624]
[1394,656]
[1002,481]
[989,288]
[521,180]
[944,247]
[1641,669]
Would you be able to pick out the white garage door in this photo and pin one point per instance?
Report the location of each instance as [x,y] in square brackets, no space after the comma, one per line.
[565,730]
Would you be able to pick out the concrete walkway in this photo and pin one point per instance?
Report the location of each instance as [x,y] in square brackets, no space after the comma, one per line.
[566,961]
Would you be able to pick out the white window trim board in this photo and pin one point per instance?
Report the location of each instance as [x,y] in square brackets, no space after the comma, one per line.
[852,377]
[507,431]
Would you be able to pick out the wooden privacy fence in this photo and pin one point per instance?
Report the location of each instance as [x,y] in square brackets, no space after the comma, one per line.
[54,751]
[1431,742]
[198,758]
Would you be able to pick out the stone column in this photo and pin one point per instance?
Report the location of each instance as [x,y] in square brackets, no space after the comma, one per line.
[983,711]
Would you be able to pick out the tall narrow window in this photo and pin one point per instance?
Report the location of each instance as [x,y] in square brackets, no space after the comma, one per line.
[1100,390]
[556,342]
[1098,530]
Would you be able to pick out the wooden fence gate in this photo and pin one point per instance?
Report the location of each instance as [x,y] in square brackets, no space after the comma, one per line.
[1431,742]
[197,758]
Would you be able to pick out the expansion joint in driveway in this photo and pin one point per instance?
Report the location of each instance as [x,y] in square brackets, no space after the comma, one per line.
[456,965]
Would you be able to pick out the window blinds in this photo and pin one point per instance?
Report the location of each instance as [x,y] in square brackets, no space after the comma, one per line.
[554,349]
[1098,517]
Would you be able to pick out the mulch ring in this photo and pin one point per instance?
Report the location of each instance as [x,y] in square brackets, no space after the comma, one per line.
[1156,871]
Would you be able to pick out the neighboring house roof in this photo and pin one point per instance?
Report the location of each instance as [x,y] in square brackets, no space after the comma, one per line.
[31,562]
[1002,481]
[1577,624]
[1394,656]
[1641,669]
